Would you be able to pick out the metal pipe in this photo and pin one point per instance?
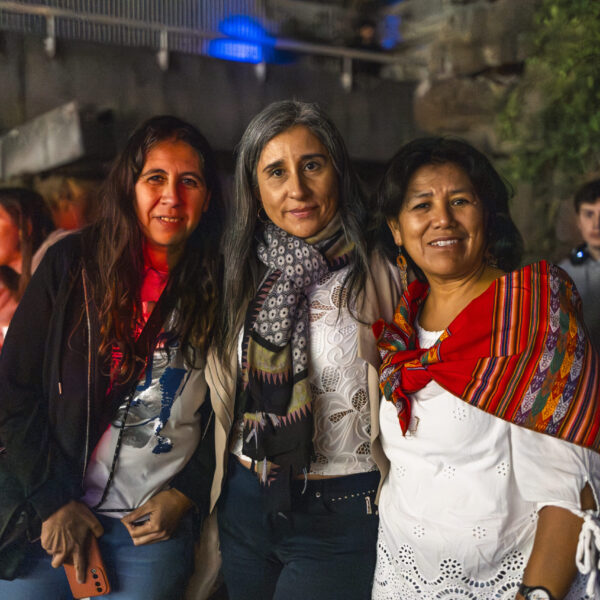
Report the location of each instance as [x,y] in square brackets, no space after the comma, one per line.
[280,43]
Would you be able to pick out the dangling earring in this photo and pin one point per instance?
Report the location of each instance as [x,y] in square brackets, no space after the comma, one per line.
[490,260]
[403,267]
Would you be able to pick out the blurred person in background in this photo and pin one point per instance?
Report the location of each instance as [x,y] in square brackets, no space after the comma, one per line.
[25,223]
[583,265]
[71,200]
[72,203]
[366,39]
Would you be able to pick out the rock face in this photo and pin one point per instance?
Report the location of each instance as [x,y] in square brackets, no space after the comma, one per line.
[466,56]
[482,35]
[459,106]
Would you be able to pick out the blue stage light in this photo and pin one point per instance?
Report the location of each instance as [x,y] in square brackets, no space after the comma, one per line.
[245,28]
[247,41]
[236,50]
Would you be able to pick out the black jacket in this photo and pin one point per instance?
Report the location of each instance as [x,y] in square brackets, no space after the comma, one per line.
[53,403]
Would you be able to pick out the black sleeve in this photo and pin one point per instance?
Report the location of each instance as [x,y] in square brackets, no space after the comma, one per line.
[195,479]
[32,461]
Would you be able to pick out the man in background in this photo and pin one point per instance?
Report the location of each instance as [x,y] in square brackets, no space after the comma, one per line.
[583,265]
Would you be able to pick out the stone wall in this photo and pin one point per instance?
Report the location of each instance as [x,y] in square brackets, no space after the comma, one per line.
[466,55]
[220,97]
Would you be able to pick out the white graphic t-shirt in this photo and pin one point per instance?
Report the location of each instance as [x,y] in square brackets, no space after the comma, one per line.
[161,432]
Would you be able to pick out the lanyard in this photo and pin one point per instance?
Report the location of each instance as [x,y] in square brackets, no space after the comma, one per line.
[144,346]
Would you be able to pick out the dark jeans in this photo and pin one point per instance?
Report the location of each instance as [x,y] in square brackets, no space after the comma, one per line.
[324,549]
[157,571]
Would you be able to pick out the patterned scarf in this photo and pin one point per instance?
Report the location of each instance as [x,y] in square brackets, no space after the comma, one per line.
[519,351]
[278,421]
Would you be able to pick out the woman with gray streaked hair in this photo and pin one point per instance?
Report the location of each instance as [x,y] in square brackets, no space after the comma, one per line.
[297,518]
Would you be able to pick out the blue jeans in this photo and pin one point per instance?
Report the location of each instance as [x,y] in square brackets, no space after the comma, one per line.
[157,571]
[324,549]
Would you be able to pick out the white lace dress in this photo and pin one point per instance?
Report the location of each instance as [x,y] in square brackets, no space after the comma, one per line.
[458,510]
[338,384]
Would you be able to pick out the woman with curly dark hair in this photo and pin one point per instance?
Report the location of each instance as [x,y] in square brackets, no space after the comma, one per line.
[103,385]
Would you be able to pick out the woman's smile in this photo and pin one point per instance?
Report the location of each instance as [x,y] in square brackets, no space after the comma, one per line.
[445,243]
[297,183]
[169,219]
[170,197]
[303,212]
[441,223]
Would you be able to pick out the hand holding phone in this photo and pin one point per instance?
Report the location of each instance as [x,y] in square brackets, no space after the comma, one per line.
[65,534]
[96,580]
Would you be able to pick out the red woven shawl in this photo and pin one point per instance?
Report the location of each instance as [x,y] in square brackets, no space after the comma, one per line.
[519,351]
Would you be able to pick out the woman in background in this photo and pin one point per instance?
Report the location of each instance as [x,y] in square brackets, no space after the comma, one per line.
[25,222]
[103,386]
[491,398]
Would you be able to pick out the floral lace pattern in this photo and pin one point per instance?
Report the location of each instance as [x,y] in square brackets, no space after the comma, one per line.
[338,381]
[399,578]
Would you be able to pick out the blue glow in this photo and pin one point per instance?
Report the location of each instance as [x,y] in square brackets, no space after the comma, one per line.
[247,41]
[391,32]
[236,50]
[245,28]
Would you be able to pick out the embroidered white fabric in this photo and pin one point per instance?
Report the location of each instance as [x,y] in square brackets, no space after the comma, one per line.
[458,510]
[338,381]
[397,577]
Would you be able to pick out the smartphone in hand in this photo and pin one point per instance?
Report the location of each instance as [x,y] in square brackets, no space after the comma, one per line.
[96,581]
[141,520]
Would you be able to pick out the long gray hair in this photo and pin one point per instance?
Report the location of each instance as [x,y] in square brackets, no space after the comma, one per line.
[241,266]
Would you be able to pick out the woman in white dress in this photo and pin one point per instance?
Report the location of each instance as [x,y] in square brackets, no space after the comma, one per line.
[491,398]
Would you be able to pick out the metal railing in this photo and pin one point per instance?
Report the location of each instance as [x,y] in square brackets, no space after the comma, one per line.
[179,25]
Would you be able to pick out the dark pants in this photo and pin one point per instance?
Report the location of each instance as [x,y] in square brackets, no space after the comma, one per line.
[324,549]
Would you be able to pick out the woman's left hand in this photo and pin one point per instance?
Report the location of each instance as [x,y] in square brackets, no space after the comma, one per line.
[158,518]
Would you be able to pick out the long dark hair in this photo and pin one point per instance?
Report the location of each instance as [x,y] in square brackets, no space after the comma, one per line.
[241,265]
[118,240]
[504,242]
[33,221]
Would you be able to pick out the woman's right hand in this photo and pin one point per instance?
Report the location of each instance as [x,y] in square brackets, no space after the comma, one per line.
[64,535]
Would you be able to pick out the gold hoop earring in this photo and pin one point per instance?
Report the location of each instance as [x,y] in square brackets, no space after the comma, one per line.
[261,215]
[403,267]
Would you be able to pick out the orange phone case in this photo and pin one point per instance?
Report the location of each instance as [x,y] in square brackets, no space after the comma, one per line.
[96,581]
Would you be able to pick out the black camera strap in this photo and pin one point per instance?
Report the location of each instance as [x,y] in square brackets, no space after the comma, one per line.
[145,346]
